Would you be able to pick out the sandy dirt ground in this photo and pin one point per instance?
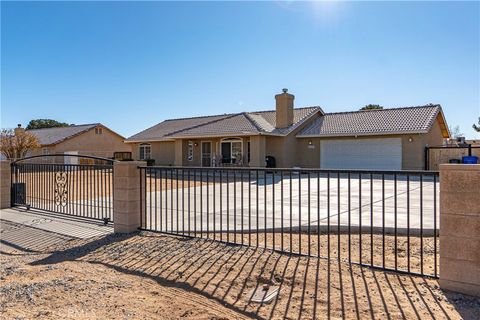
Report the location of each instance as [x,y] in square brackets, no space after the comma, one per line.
[413,254]
[151,276]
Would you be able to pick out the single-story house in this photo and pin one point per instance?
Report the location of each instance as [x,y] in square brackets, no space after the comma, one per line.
[86,139]
[297,137]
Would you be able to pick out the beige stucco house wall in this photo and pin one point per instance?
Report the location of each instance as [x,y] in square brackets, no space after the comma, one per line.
[287,152]
[90,143]
[411,157]
[163,152]
[308,156]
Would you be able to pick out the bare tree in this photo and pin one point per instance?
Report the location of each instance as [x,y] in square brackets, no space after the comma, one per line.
[455,132]
[15,145]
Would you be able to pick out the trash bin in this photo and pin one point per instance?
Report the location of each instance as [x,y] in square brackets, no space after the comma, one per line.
[470,160]
[270,162]
[454,161]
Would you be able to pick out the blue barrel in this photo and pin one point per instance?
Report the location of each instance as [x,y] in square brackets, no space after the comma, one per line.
[470,159]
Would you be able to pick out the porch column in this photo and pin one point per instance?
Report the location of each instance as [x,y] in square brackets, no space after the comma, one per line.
[178,153]
[257,151]
[459,228]
[5,184]
[126,196]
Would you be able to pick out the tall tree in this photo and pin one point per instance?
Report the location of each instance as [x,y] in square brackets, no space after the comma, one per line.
[15,145]
[372,107]
[477,127]
[45,123]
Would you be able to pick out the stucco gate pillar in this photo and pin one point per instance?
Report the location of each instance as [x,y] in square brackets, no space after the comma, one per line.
[5,184]
[460,228]
[126,196]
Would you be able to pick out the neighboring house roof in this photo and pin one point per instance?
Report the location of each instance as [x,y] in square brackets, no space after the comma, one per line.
[49,136]
[376,122]
[245,123]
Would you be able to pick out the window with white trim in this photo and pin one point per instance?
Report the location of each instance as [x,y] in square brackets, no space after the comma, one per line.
[145,151]
[232,150]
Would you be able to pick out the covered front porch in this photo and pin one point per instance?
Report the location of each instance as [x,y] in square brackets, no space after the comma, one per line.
[235,151]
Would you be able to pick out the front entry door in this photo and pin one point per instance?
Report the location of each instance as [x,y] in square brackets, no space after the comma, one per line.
[206,153]
[226,152]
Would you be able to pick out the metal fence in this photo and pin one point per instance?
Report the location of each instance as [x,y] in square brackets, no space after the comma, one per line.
[84,190]
[381,219]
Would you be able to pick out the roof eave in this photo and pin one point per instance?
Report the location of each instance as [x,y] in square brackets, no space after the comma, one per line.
[216,135]
[443,126]
[44,145]
[148,140]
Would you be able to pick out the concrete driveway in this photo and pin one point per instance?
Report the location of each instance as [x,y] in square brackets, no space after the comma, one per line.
[315,201]
[34,231]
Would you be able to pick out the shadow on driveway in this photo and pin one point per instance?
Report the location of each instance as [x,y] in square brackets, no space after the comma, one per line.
[32,231]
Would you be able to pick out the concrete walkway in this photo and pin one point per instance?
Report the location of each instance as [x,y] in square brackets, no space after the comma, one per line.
[32,231]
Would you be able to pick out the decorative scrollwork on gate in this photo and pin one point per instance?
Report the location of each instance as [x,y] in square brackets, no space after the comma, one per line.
[61,192]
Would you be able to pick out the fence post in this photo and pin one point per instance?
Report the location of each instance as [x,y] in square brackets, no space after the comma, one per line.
[126,196]
[427,158]
[5,184]
[460,228]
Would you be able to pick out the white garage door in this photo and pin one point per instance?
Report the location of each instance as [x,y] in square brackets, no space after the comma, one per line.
[381,154]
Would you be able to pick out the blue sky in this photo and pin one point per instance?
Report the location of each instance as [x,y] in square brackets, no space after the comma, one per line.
[131,65]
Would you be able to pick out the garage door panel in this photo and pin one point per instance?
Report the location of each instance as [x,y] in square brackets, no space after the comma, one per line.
[381,154]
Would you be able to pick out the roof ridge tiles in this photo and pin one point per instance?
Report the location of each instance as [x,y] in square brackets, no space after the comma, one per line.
[201,124]
[253,122]
[71,126]
[386,109]
[230,114]
[301,108]
[199,117]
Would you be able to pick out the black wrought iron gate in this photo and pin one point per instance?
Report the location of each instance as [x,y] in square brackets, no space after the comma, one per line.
[69,184]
